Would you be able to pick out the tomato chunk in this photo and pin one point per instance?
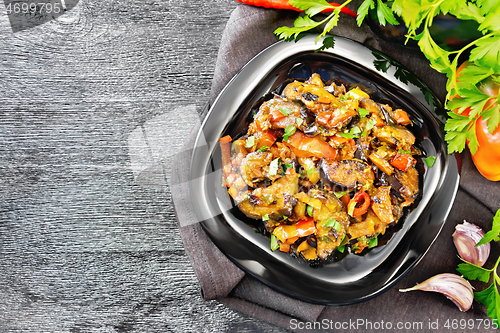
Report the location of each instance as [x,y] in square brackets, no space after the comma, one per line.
[402,161]
[305,227]
[266,139]
[401,117]
[305,146]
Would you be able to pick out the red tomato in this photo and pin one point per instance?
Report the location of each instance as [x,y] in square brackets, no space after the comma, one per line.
[305,146]
[402,161]
[266,138]
[487,156]
[305,227]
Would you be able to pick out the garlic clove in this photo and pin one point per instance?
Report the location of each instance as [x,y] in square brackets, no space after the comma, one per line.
[465,237]
[454,287]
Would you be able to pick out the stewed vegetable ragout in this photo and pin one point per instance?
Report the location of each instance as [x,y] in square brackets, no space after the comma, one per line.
[324,167]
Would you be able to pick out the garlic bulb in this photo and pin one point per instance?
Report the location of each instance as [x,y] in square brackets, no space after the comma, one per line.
[454,287]
[465,237]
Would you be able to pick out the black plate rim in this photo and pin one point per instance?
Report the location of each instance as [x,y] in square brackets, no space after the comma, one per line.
[444,193]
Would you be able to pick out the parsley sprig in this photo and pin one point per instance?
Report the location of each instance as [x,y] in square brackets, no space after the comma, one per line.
[466,88]
[305,23]
[490,296]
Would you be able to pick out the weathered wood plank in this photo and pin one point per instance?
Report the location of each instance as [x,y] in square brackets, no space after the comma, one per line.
[82,247]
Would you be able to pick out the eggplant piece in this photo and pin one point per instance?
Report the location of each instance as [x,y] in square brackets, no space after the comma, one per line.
[396,135]
[311,240]
[274,201]
[253,167]
[345,174]
[362,151]
[382,205]
[406,183]
[312,130]
[382,179]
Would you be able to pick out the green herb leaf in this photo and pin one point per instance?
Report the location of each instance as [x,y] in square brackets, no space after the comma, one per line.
[347,135]
[370,124]
[301,24]
[333,224]
[456,127]
[429,161]
[261,149]
[328,43]
[363,112]
[289,131]
[310,169]
[373,242]
[494,233]
[438,57]
[473,272]
[402,151]
[274,243]
[492,115]
[472,75]
[350,207]
[285,111]
[363,10]
[299,121]
[330,24]
[273,167]
[341,194]
[472,139]
[341,249]
[265,217]
[384,14]
[250,142]
[491,299]
[312,7]
[487,52]
[309,210]
[488,6]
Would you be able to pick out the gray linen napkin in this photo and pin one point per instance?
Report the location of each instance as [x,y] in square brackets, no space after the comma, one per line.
[248,31]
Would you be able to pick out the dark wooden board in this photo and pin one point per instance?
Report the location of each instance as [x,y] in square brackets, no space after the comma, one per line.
[82,246]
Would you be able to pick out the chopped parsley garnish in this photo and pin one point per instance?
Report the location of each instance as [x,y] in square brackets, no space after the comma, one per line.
[333,224]
[429,161]
[273,167]
[341,194]
[289,131]
[370,124]
[363,112]
[310,169]
[309,210]
[347,135]
[274,243]
[285,111]
[250,142]
[373,242]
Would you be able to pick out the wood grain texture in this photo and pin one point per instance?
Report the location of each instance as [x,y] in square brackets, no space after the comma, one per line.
[82,247]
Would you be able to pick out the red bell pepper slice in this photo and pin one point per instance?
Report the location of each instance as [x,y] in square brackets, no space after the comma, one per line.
[402,161]
[359,204]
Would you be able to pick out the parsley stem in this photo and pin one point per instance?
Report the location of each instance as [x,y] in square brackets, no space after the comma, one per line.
[463,49]
[344,4]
